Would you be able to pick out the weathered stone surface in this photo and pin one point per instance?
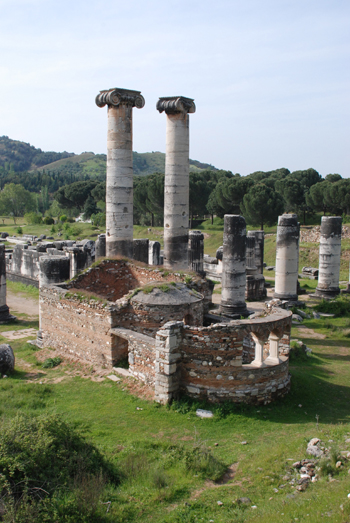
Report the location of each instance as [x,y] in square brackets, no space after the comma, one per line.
[234,266]
[7,359]
[329,260]
[287,257]
[119,181]
[176,184]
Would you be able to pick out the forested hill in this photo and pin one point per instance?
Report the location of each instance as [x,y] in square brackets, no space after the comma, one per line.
[20,156]
[16,156]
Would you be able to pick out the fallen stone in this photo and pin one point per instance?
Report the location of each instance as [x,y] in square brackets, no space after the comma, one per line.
[303,314]
[243,501]
[7,359]
[316,315]
[244,442]
[121,371]
[313,441]
[219,503]
[338,464]
[204,413]
[112,377]
[314,451]
[297,318]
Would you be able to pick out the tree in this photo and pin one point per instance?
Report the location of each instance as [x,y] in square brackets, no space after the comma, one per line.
[75,194]
[262,205]
[15,201]
[90,207]
[316,197]
[199,194]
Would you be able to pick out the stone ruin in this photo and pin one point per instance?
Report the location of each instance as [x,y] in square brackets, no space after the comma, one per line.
[159,320]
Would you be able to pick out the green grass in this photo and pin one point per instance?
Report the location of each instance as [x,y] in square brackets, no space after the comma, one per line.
[21,288]
[164,452]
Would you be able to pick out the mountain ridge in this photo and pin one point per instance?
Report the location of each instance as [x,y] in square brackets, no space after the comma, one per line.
[20,156]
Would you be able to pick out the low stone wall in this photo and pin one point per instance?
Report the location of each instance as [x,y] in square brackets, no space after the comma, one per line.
[113,279]
[210,361]
[141,354]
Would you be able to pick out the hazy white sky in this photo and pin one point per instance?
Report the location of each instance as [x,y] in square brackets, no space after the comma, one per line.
[270,78]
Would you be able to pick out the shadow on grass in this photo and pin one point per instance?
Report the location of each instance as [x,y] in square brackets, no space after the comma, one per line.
[19,324]
[312,393]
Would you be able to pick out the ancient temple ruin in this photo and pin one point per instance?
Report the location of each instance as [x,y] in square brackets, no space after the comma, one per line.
[160,320]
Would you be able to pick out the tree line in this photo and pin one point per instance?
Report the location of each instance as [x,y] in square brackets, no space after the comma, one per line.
[260,196]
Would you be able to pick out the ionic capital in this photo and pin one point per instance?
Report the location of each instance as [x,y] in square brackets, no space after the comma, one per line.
[176,104]
[118,97]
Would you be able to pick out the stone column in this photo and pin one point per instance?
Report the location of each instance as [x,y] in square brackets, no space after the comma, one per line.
[196,251]
[140,247]
[259,350]
[329,261]
[259,249]
[234,267]
[119,181]
[4,310]
[250,253]
[273,356]
[154,253]
[176,189]
[287,257]
[100,251]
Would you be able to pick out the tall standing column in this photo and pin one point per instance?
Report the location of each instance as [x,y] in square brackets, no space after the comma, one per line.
[234,267]
[119,181]
[329,261]
[176,185]
[287,257]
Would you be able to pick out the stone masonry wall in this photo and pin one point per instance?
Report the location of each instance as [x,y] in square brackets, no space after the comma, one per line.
[209,361]
[141,354]
[113,279]
[77,328]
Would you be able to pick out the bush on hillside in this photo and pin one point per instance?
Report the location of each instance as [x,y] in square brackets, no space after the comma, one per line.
[48,468]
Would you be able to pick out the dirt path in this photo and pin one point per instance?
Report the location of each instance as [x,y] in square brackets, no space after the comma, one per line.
[21,304]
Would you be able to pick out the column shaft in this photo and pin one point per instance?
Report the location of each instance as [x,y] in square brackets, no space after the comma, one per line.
[287,257]
[176,191]
[329,261]
[196,251]
[234,266]
[119,182]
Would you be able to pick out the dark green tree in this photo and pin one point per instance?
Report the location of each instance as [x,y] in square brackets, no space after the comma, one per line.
[75,194]
[316,198]
[262,205]
[90,207]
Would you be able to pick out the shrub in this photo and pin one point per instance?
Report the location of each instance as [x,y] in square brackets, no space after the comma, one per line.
[33,218]
[49,363]
[42,459]
[48,220]
[340,306]
[99,219]
[63,218]
[19,230]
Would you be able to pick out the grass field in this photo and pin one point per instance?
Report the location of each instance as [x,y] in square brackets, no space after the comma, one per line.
[170,460]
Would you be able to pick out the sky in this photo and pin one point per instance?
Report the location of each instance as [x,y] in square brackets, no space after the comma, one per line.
[270,78]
